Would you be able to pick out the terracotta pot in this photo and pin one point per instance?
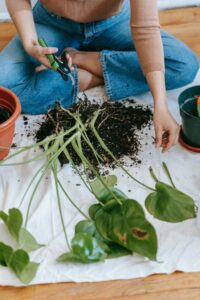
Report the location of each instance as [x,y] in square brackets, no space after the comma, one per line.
[9,101]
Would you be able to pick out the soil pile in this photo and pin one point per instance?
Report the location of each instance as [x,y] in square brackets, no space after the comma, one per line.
[119,124]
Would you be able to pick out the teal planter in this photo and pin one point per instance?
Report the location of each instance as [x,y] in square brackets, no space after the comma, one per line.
[190,134]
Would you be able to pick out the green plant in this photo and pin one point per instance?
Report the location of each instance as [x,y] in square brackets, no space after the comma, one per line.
[116,225]
[169,204]
[18,261]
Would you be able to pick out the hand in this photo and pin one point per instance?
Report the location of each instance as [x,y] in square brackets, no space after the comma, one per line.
[69,58]
[166,129]
[39,53]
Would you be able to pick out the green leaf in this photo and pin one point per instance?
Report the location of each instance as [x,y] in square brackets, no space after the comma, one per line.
[27,241]
[169,204]
[114,250]
[14,222]
[69,258]
[98,187]
[29,272]
[106,195]
[128,227]
[85,249]
[6,253]
[24,269]
[103,223]
[94,210]
[3,216]
[85,226]
[137,235]
[88,248]
[19,261]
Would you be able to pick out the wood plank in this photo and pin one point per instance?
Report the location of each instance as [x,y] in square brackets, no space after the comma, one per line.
[180,16]
[162,287]
[7,31]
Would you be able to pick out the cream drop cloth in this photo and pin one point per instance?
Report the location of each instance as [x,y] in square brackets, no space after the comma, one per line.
[179,244]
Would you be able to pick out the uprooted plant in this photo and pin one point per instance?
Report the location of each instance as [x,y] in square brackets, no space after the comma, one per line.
[116,225]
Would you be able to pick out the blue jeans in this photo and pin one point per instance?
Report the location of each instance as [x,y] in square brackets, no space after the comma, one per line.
[122,72]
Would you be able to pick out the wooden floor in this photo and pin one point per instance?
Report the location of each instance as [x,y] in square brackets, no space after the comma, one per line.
[185,24]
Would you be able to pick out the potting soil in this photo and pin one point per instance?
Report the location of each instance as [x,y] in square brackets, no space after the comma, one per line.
[119,124]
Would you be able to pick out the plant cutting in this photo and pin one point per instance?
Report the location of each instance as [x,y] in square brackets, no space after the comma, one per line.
[166,202]
[116,225]
[10,109]
[17,260]
[169,204]
[116,228]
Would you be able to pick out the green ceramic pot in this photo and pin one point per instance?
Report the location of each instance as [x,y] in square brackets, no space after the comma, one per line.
[190,120]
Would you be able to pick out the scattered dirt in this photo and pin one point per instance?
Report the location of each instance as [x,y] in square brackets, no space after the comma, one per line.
[119,124]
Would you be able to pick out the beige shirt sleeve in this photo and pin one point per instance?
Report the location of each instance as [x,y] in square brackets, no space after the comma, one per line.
[146,35]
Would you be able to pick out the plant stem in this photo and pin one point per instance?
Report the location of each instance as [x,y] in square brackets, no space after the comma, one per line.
[34,192]
[47,140]
[85,160]
[165,168]
[30,184]
[103,145]
[72,202]
[153,175]
[50,160]
[66,152]
[54,170]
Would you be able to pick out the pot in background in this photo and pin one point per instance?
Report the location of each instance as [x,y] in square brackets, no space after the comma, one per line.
[190,133]
[10,102]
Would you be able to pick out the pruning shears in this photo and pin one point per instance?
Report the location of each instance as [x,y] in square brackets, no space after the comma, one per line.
[58,65]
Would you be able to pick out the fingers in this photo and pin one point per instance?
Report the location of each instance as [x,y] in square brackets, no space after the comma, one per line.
[172,139]
[70,61]
[46,51]
[40,68]
[167,139]
[158,132]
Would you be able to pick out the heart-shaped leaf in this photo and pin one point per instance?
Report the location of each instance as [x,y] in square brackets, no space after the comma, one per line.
[85,249]
[6,253]
[137,235]
[169,204]
[98,187]
[27,241]
[13,221]
[24,269]
[94,210]
[20,260]
[85,226]
[112,249]
[105,195]
[128,227]
[29,272]
[103,216]
[3,216]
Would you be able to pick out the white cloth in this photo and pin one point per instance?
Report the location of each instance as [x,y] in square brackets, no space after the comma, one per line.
[179,244]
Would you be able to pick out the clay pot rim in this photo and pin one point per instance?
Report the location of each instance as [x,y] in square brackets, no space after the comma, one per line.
[16,113]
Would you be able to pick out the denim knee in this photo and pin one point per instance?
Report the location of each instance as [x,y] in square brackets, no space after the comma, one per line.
[183,70]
